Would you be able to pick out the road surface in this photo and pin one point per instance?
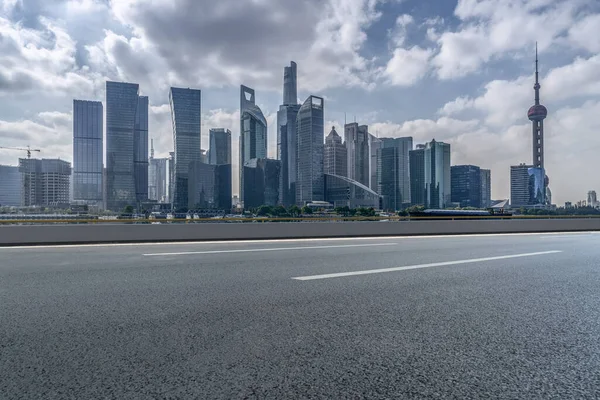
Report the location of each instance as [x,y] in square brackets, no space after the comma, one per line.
[503,316]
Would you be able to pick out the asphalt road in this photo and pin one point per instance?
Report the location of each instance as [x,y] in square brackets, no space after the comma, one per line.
[511,316]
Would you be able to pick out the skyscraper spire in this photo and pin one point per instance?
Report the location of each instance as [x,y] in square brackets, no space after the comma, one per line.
[537,85]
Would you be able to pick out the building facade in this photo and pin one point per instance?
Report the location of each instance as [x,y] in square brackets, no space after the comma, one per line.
[466,185]
[393,166]
[437,175]
[417,176]
[122,101]
[374,146]
[356,138]
[519,185]
[342,191]
[209,186]
[335,155]
[219,150]
[140,150]
[88,151]
[10,186]
[186,120]
[261,178]
[157,177]
[45,182]
[592,199]
[310,150]
[486,188]
[253,131]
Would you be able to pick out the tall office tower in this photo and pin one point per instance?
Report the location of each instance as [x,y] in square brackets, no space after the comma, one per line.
[357,143]
[310,184]
[88,130]
[335,155]
[466,185]
[393,166]
[219,150]
[185,116]
[592,199]
[286,136]
[261,178]
[486,188]
[417,175]
[122,102]
[44,182]
[157,177]
[140,148]
[519,185]
[209,186]
[10,186]
[537,114]
[171,182]
[253,131]
[437,174]
[374,146]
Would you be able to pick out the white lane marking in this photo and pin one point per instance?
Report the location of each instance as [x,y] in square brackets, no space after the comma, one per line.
[564,236]
[184,253]
[208,242]
[438,264]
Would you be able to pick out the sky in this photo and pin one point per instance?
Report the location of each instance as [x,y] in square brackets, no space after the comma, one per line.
[459,71]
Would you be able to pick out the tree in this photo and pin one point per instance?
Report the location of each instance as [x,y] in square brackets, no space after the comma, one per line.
[128,209]
[264,211]
[307,210]
[294,210]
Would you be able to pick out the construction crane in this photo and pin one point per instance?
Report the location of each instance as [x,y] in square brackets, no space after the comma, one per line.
[28,150]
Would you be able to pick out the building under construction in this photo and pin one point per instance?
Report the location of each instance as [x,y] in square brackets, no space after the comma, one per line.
[44,182]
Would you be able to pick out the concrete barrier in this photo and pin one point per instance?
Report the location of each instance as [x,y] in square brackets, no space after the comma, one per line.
[131,233]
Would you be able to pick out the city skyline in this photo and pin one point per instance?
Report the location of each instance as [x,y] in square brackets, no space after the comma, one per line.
[470,112]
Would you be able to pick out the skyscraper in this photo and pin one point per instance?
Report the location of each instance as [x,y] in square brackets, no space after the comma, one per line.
[486,188]
[185,117]
[171,182]
[286,136]
[122,102]
[219,151]
[519,185]
[253,131]
[261,177]
[140,148]
[157,177]
[417,175]
[466,185]
[209,186]
[44,182]
[10,186]
[357,143]
[537,114]
[88,123]
[335,155]
[310,127]
[393,166]
[437,174]
[592,199]
[374,146]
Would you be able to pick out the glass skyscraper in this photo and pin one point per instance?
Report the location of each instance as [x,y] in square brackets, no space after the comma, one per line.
[122,102]
[374,146]
[310,184]
[219,151]
[437,174]
[336,155]
[209,186]
[466,185]
[261,178]
[286,136]
[140,150]
[185,116]
[417,176]
[10,186]
[253,131]
[486,188]
[88,130]
[356,138]
[393,177]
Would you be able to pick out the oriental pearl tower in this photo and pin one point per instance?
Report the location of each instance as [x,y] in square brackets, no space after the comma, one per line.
[537,114]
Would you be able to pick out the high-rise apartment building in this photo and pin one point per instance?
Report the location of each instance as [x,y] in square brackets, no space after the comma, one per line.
[466,185]
[219,151]
[356,138]
[88,131]
[44,182]
[209,186]
[310,131]
[186,120]
[437,175]
[374,146]
[393,166]
[122,102]
[286,136]
[486,188]
[253,131]
[261,178]
[140,150]
[10,186]
[519,185]
[417,176]
[335,155]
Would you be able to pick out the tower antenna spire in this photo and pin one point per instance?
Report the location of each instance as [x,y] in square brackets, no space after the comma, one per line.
[537,79]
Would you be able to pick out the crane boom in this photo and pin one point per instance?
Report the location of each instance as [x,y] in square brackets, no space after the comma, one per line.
[28,149]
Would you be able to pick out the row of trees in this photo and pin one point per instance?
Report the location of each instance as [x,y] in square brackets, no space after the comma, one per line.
[295,211]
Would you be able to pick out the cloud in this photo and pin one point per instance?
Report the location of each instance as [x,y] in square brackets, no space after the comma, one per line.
[407,67]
